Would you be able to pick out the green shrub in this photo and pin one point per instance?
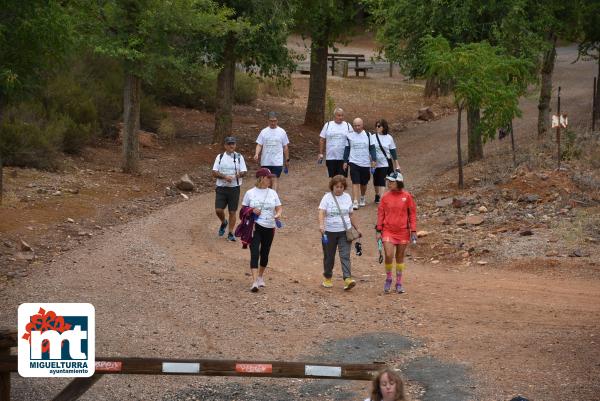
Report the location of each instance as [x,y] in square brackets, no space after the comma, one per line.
[199,89]
[279,87]
[150,114]
[166,129]
[28,139]
[245,88]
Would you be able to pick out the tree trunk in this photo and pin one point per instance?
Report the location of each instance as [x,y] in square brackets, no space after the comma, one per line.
[512,144]
[315,107]
[131,122]
[432,87]
[597,116]
[461,184]
[225,82]
[546,88]
[475,143]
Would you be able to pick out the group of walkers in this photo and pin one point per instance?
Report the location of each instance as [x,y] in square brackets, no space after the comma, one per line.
[347,150]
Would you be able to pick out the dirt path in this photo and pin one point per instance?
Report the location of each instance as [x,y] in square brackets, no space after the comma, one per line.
[167,286]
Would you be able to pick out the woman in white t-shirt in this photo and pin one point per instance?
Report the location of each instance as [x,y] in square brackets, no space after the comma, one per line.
[333,231]
[267,210]
[385,148]
[387,386]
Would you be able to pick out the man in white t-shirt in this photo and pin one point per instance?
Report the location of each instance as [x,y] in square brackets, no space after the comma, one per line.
[272,148]
[332,142]
[228,169]
[360,156]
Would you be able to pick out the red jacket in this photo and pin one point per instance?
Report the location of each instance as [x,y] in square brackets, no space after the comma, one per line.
[397,212]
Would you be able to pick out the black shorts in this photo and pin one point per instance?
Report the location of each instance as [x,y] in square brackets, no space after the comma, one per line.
[275,170]
[335,167]
[379,176]
[360,175]
[227,196]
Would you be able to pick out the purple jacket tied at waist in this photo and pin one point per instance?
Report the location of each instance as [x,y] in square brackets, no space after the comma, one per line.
[246,226]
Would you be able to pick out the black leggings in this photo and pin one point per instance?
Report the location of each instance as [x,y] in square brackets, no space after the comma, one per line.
[262,238]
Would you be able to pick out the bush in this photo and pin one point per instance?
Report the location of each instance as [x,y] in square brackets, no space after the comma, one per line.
[279,87]
[28,139]
[66,97]
[150,114]
[245,88]
[166,129]
[199,89]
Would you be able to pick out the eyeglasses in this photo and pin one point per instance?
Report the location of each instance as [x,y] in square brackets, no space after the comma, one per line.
[230,143]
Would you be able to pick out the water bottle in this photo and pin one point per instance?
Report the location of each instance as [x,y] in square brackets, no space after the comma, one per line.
[278,223]
[372,170]
[325,239]
[285,170]
[320,161]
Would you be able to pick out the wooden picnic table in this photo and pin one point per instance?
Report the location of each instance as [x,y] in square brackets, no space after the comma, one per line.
[333,57]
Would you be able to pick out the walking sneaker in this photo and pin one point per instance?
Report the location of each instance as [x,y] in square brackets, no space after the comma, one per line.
[254,287]
[355,205]
[377,198]
[388,285]
[327,283]
[260,281]
[399,288]
[231,237]
[349,283]
[223,228]
[363,202]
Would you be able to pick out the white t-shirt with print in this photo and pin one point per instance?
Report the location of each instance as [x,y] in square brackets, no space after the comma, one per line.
[272,141]
[227,166]
[266,200]
[335,136]
[359,148]
[387,142]
[333,222]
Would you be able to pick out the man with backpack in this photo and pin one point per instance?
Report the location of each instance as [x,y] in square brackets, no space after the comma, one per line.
[229,168]
[360,156]
[332,142]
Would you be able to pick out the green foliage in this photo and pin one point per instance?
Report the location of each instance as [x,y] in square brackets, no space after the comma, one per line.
[280,87]
[149,35]
[34,36]
[198,89]
[572,148]
[28,138]
[590,42]
[150,114]
[484,77]
[329,106]
[521,27]
[245,88]
[326,22]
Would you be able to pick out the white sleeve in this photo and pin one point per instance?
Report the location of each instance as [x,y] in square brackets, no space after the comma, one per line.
[323,204]
[284,138]
[242,163]
[246,200]
[260,140]
[392,143]
[277,200]
[323,133]
[216,165]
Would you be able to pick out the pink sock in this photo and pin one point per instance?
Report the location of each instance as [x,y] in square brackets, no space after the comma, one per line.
[388,275]
[399,278]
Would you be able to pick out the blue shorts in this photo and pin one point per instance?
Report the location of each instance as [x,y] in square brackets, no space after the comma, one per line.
[275,170]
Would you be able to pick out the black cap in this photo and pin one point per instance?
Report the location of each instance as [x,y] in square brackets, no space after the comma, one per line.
[230,139]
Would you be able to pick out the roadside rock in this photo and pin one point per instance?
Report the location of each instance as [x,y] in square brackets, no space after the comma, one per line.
[185,183]
[459,202]
[443,202]
[474,220]
[25,247]
[421,234]
[426,114]
[483,209]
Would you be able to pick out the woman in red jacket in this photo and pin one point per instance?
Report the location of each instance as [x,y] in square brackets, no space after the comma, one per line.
[396,226]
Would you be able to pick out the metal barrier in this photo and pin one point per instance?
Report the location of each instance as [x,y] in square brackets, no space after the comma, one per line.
[199,367]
